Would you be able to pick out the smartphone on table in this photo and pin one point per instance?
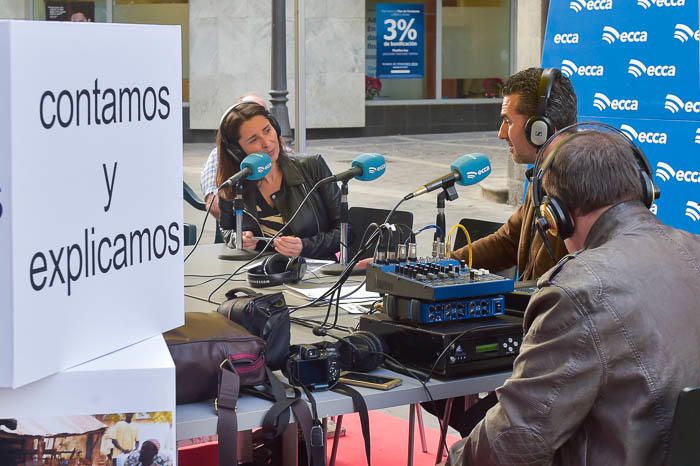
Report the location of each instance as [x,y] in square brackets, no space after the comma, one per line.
[370,381]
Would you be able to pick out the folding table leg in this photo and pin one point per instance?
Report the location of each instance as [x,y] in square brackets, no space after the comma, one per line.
[411,433]
[336,438]
[421,430]
[444,424]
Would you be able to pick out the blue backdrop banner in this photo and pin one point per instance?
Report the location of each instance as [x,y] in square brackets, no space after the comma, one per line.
[634,65]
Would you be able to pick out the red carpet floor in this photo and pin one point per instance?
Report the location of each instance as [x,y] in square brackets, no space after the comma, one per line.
[389,444]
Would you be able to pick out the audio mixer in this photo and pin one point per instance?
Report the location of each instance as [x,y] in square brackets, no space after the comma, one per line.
[437,290]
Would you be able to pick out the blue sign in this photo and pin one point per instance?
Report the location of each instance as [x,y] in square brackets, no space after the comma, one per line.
[400,40]
[634,65]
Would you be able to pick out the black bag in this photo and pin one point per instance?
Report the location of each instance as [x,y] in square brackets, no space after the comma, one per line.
[263,315]
[215,357]
[201,346]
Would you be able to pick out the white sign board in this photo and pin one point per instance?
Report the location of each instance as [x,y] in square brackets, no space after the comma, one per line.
[133,387]
[90,191]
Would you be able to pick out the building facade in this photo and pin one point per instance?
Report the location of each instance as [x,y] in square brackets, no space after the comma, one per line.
[467,49]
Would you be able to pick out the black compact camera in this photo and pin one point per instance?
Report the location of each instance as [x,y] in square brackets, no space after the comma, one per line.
[314,366]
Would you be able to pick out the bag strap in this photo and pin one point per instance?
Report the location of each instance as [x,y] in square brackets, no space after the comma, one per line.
[277,418]
[316,438]
[360,406]
[227,423]
[249,292]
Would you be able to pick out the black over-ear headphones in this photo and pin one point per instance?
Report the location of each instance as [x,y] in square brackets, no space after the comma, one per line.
[550,213]
[277,269]
[361,351]
[233,148]
[539,127]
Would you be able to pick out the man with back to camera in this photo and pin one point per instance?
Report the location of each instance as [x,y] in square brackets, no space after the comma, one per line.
[612,333]
[530,97]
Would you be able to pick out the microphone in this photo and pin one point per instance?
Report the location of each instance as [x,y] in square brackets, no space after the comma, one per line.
[253,167]
[365,167]
[319,331]
[467,170]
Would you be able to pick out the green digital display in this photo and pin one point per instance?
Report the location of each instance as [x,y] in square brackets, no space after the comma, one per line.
[486,348]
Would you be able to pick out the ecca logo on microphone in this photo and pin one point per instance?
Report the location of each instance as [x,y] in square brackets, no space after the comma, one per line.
[379,169]
[473,174]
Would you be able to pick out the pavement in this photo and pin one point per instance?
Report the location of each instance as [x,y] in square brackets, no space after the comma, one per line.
[412,161]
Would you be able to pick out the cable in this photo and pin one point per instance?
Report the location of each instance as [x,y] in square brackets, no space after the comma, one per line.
[267,246]
[193,285]
[202,299]
[343,276]
[201,233]
[469,240]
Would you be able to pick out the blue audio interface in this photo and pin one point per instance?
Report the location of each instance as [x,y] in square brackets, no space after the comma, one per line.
[428,312]
[438,280]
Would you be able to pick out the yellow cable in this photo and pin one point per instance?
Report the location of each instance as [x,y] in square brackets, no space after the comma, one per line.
[448,239]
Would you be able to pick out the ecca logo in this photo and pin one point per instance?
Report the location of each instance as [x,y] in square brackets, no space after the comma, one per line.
[569,68]
[602,102]
[379,169]
[648,137]
[666,172]
[646,4]
[637,68]
[473,174]
[692,210]
[675,104]
[684,33]
[612,35]
[566,38]
[590,5]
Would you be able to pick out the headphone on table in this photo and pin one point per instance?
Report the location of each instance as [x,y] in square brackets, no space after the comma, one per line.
[277,269]
[550,213]
[539,128]
[233,148]
[361,351]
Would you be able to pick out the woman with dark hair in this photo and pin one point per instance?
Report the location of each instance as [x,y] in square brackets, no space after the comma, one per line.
[248,128]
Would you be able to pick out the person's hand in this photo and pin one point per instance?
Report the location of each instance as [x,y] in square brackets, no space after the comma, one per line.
[289,246]
[248,241]
[362,265]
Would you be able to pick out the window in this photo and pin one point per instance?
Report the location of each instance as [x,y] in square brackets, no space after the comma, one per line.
[466,50]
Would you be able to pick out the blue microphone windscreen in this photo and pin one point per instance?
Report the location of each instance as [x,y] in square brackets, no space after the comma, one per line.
[373,166]
[472,168]
[259,163]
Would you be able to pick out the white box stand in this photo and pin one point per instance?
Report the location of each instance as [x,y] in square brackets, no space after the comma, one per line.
[90,192]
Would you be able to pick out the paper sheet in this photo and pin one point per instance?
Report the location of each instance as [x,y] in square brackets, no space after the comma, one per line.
[359,296]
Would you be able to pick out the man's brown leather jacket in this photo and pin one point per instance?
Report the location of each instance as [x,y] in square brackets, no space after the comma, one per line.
[612,337]
[515,243]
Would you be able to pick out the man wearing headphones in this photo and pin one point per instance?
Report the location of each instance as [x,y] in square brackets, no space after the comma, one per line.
[612,333]
[536,103]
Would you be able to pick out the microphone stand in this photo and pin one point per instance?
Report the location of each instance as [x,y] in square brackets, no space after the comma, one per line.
[448,192]
[337,269]
[440,219]
[238,254]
